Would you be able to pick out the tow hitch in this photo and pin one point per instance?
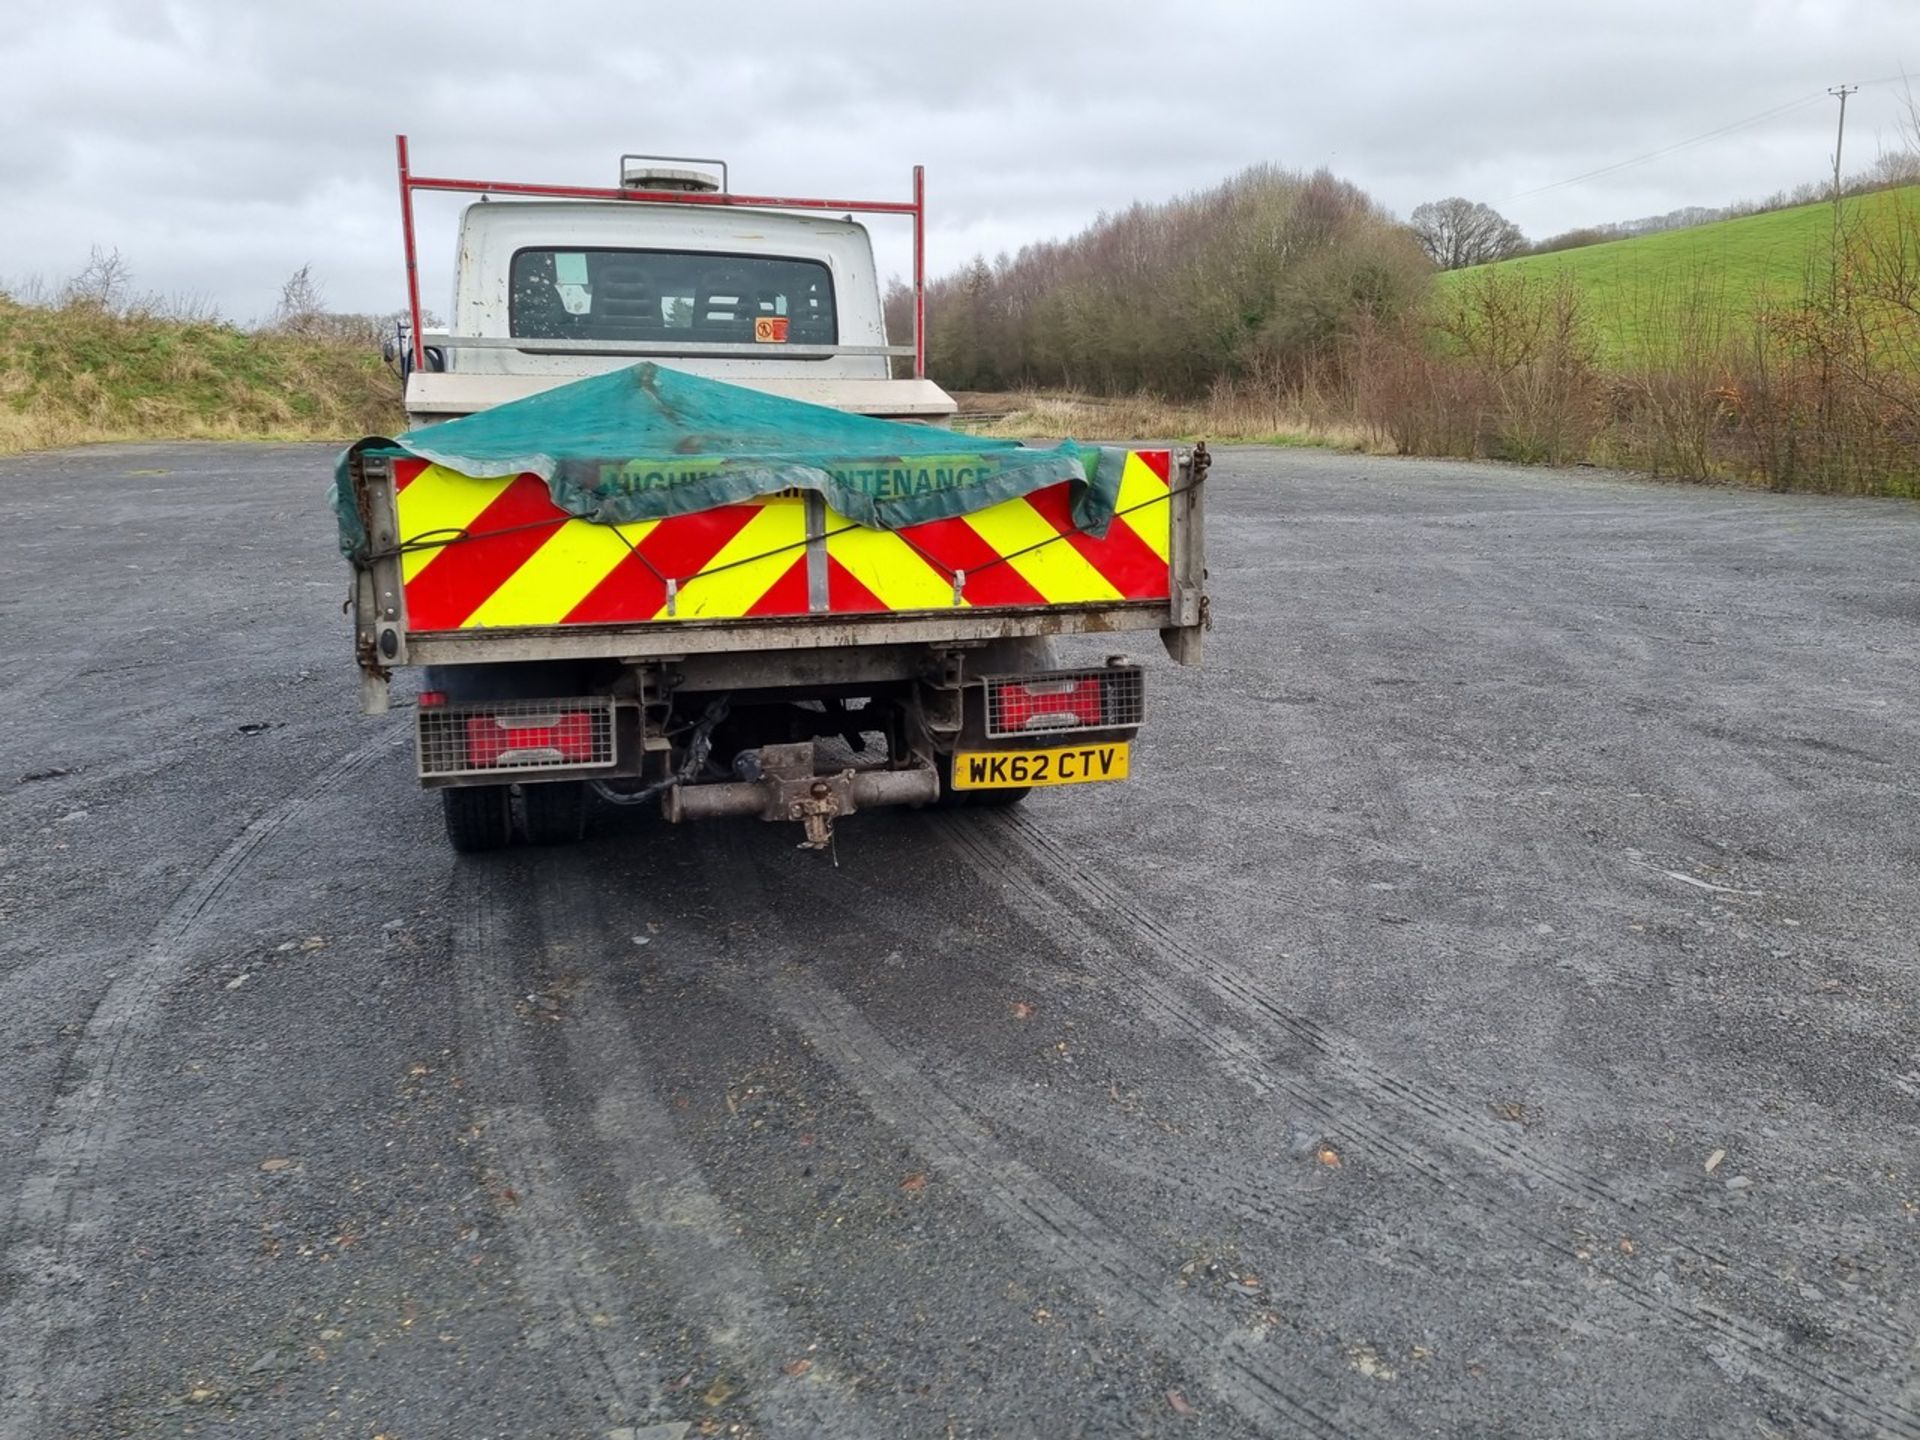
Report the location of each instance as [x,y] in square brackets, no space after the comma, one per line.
[781,784]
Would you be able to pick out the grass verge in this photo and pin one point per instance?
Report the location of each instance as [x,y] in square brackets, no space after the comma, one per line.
[80,373]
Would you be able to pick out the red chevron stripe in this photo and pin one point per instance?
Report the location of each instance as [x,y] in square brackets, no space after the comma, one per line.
[453,584]
[1123,557]
[683,545]
[787,595]
[405,472]
[1158,461]
[845,593]
[677,547]
[958,546]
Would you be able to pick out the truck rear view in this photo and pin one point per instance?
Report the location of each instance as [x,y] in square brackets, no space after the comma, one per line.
[729,579]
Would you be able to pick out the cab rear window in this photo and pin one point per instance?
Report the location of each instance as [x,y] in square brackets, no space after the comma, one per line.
[606,294]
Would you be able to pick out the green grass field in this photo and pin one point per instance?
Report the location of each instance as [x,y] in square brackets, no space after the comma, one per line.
[1638,291]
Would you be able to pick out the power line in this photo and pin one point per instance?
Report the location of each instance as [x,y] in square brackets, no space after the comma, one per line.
[1700,139]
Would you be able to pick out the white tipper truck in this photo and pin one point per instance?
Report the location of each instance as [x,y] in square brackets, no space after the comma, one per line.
[767,654]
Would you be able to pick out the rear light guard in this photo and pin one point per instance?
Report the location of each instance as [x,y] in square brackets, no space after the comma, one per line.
[516,737]
[1059,702]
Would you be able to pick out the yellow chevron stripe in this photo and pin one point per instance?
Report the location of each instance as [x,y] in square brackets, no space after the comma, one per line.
[1058,571]
[559,575]
[441,499]
[1153,524]
[718,593]
[897,574]
[579,554]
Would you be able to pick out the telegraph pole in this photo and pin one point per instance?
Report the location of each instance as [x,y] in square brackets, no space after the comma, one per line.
[1840,92]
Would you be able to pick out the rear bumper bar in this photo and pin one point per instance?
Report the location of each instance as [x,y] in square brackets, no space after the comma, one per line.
[788,789]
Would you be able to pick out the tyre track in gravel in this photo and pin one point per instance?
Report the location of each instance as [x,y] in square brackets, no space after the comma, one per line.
[1024,840]
[1009,850]
[1221,1180]
[566,1259]
[1452,1116]
[1246,1195]
[557,1258]
[1069,1239]
[60,1211]
[1237,1365]
[689,1233]
[1171,1168]
[1449,1113]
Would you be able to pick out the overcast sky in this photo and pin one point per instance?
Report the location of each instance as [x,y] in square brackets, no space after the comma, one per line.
[221,143]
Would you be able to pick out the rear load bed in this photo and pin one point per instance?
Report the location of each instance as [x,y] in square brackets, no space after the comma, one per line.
[490,568]
[698,656]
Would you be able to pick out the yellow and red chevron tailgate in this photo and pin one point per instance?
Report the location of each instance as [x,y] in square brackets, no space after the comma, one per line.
[517,559]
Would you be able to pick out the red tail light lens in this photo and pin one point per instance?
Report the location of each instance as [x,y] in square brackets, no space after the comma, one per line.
[493,740]
[1049,704]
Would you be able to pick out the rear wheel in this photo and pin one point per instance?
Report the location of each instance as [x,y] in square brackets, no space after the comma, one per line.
[998,799]
[555,811]
[479,817]
[952,798]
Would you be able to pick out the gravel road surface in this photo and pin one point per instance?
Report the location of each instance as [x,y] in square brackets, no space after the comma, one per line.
[1493,1010]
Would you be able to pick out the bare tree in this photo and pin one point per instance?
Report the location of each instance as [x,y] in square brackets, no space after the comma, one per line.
[1456,233]
[302,307]
[101,284]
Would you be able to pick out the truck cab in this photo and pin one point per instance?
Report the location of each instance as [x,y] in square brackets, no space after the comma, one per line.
[547,291]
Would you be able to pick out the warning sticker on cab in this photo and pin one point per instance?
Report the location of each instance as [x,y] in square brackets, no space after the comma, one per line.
[770,329]
[1067,765]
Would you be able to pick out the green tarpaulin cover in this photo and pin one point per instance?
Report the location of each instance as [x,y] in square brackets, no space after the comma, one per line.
[647,442]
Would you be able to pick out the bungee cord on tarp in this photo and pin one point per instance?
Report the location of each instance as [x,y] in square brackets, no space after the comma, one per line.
[432,540]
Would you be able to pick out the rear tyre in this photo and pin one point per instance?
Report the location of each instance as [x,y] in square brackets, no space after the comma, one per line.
[479,817]
[555,812]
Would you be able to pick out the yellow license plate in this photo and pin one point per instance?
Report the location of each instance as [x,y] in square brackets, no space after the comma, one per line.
[1065,765]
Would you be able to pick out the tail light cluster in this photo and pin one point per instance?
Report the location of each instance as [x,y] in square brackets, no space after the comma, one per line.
[1113,697]
[494,740]
[513,735]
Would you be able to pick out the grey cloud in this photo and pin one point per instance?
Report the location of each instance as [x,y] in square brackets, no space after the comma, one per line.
[221,143]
